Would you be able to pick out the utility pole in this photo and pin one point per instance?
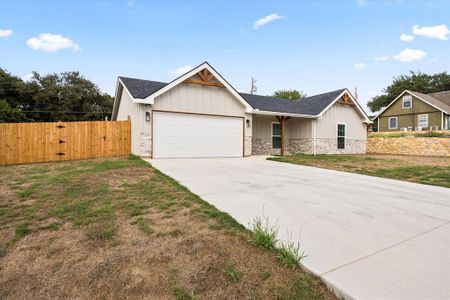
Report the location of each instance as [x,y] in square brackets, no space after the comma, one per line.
[253,88]
[356,93]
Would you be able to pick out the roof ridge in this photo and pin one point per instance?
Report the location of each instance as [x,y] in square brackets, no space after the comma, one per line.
[338,90]
[134,78]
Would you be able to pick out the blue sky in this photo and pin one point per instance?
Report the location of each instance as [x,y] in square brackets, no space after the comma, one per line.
[314,46]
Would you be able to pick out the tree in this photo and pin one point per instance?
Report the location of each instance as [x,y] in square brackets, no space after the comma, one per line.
[418,82]
[9,114]
[289,94]
[56,97]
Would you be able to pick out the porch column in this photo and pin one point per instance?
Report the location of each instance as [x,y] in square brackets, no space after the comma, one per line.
[282,120]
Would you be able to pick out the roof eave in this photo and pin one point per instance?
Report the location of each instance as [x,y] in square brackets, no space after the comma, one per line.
[275,113]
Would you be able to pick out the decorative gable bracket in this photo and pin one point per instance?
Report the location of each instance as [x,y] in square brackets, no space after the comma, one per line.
[205,79]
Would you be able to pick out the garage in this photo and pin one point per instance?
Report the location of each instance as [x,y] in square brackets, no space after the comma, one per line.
[196,135]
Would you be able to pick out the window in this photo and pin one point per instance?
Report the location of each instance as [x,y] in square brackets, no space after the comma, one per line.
[276,135]
[341,136]
[393,123]
[422,120]
[407,101]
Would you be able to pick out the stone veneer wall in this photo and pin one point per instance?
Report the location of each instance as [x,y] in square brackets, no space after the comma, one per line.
[304,145]
[248,146]
[329,146]
[409,145]
[263,146]
[146,144]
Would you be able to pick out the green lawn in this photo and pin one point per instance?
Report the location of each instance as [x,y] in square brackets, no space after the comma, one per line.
[426,170]
[118,228]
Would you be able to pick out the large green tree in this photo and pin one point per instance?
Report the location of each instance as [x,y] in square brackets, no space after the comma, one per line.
[289,94]
[418,82]
[55,97]
[9,114]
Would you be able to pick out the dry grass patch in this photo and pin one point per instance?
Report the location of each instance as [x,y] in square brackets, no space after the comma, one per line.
[419,169]
[118,228]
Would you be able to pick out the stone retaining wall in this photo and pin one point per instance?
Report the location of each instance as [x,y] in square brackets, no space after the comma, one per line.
[329,146]
[410,145]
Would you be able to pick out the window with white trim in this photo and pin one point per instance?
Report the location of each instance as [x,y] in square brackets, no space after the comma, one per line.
[341,136]
[422,120]
[407,101]
[393,123]
[276,135]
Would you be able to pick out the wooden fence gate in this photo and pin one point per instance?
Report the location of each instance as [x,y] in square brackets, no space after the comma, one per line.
[41,142]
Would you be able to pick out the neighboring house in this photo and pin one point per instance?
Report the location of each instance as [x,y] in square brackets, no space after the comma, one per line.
[414,111]
[200,114]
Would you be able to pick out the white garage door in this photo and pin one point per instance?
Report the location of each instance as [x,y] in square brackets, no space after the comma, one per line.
[187,135]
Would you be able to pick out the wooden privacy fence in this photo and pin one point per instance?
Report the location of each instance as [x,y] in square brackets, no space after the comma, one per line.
[41,142]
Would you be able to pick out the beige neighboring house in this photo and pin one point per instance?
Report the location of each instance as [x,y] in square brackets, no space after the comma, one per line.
[414,111]
[199,114]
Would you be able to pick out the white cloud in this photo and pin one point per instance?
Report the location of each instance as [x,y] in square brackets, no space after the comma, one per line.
[28,77]
[381,58]
[181,70]
[48,42]
[266,20]
[439,32]
[408,55]
[360,66]
[4,33]
[406,37]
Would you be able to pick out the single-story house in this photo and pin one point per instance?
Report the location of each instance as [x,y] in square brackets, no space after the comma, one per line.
[414,111]
[199,114]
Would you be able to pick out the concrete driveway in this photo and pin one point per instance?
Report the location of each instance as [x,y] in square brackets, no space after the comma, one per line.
[369,238]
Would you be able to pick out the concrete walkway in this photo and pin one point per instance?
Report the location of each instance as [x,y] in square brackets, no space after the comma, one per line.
[369,238]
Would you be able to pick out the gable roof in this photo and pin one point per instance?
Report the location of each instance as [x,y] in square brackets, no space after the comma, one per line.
[140,88]
[145,91]
[313,105]
[439,100]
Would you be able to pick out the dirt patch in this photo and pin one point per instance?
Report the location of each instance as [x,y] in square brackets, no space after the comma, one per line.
[119,229]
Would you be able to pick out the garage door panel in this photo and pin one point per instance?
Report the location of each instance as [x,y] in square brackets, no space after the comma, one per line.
[188,135]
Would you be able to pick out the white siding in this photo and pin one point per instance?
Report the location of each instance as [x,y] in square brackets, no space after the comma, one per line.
[200,99]
[295,128]
[133,110]
[339,113]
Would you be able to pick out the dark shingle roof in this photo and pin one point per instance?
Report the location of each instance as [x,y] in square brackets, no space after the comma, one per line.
[313,105]
[307,106]
[140,88]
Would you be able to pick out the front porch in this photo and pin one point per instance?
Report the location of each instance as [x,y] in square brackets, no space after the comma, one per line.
[280,135]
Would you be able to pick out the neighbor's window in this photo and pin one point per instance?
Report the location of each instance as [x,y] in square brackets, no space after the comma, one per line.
[341,136]
[407,101]
[276,135]
[393,123]
[422,120]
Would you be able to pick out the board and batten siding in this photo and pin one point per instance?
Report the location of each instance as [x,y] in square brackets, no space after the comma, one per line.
[133,110]
[201,100]
[295,128]
[326,127]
